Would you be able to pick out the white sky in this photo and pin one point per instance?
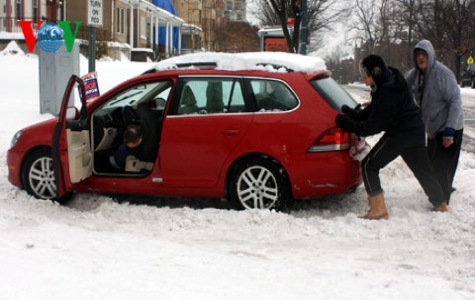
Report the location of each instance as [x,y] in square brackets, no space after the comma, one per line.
[96,248]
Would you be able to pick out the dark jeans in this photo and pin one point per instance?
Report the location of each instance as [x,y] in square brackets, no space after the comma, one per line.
[119,157]
[416,158]
[445,160]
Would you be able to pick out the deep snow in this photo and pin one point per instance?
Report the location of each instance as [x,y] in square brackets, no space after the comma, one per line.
[97,248]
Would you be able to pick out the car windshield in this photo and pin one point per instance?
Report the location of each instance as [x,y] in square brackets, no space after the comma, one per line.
[132,95]
[333,93]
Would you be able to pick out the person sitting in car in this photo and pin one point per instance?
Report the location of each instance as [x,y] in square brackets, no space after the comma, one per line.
[140,146]
[123,158]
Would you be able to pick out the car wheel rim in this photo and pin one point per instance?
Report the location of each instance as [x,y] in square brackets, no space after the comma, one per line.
[41,177]
[257,188]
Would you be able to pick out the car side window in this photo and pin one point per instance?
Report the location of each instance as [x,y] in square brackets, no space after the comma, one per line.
[211,96]
[188,104]
[273,95]
[234,96]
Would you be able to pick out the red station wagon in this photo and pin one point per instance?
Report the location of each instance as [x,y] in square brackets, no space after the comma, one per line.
[255,128]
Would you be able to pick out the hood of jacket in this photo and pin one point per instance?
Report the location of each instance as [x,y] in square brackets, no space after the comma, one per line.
[429,49]
[393,80]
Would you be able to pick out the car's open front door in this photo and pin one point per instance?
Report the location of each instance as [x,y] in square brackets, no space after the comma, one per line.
[71,149]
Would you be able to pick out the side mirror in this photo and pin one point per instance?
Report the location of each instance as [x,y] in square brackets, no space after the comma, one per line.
[160,103]
[72,113]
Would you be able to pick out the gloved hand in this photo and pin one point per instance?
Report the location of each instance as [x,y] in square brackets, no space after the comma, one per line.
[351,112]
[345,122]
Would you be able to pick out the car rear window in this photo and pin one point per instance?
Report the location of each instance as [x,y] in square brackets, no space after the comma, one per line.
[333,93]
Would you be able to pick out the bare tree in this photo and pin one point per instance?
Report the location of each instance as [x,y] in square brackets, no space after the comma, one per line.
[378,29]
[431,23]
[388,28]
[365,25]
[409,16]
[459,37]
[381,25]
[449,24]
[321,16]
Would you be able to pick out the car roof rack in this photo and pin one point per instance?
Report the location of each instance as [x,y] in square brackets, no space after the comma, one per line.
[213,65]
[202,65]
[277,67]
[210,65]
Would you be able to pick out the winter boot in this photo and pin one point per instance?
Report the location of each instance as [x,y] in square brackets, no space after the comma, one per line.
[377,208]
[442,208]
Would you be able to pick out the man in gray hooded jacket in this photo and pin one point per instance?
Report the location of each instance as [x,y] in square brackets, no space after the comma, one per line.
[436,91]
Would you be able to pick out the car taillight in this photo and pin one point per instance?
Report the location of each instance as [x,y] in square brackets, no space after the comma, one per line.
[333,139]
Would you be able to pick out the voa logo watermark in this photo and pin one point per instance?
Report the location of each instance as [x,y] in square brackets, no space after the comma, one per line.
[49,36]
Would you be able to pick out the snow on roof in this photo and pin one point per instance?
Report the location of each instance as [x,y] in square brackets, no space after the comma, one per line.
[269,61]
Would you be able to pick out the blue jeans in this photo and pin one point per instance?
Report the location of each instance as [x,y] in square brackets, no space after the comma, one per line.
[118,159]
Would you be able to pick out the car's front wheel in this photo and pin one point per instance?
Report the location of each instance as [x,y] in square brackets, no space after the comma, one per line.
[258,183]
[38,175]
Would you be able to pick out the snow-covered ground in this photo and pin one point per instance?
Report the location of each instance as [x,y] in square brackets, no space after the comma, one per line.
[97,248]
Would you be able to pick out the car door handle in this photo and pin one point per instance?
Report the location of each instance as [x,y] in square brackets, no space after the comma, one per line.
[230,132]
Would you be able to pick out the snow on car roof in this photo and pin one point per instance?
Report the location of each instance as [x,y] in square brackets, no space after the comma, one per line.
[267,61]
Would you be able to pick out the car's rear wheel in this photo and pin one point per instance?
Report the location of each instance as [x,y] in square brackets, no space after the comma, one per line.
[38,175]
[258,183]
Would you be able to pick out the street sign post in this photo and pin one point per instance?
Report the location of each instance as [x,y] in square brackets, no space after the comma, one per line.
[94,19]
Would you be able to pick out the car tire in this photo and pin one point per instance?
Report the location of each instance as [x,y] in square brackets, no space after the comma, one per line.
[258,183]
[38,176]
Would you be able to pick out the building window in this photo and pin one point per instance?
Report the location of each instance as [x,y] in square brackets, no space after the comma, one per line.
[143,28]
[120,20]
[240,5]
[18,10]
[123,22]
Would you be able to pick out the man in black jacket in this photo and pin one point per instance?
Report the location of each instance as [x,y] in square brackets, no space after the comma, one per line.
[393,111]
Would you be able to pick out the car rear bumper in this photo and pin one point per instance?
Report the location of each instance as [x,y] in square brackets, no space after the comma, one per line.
[310,178]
